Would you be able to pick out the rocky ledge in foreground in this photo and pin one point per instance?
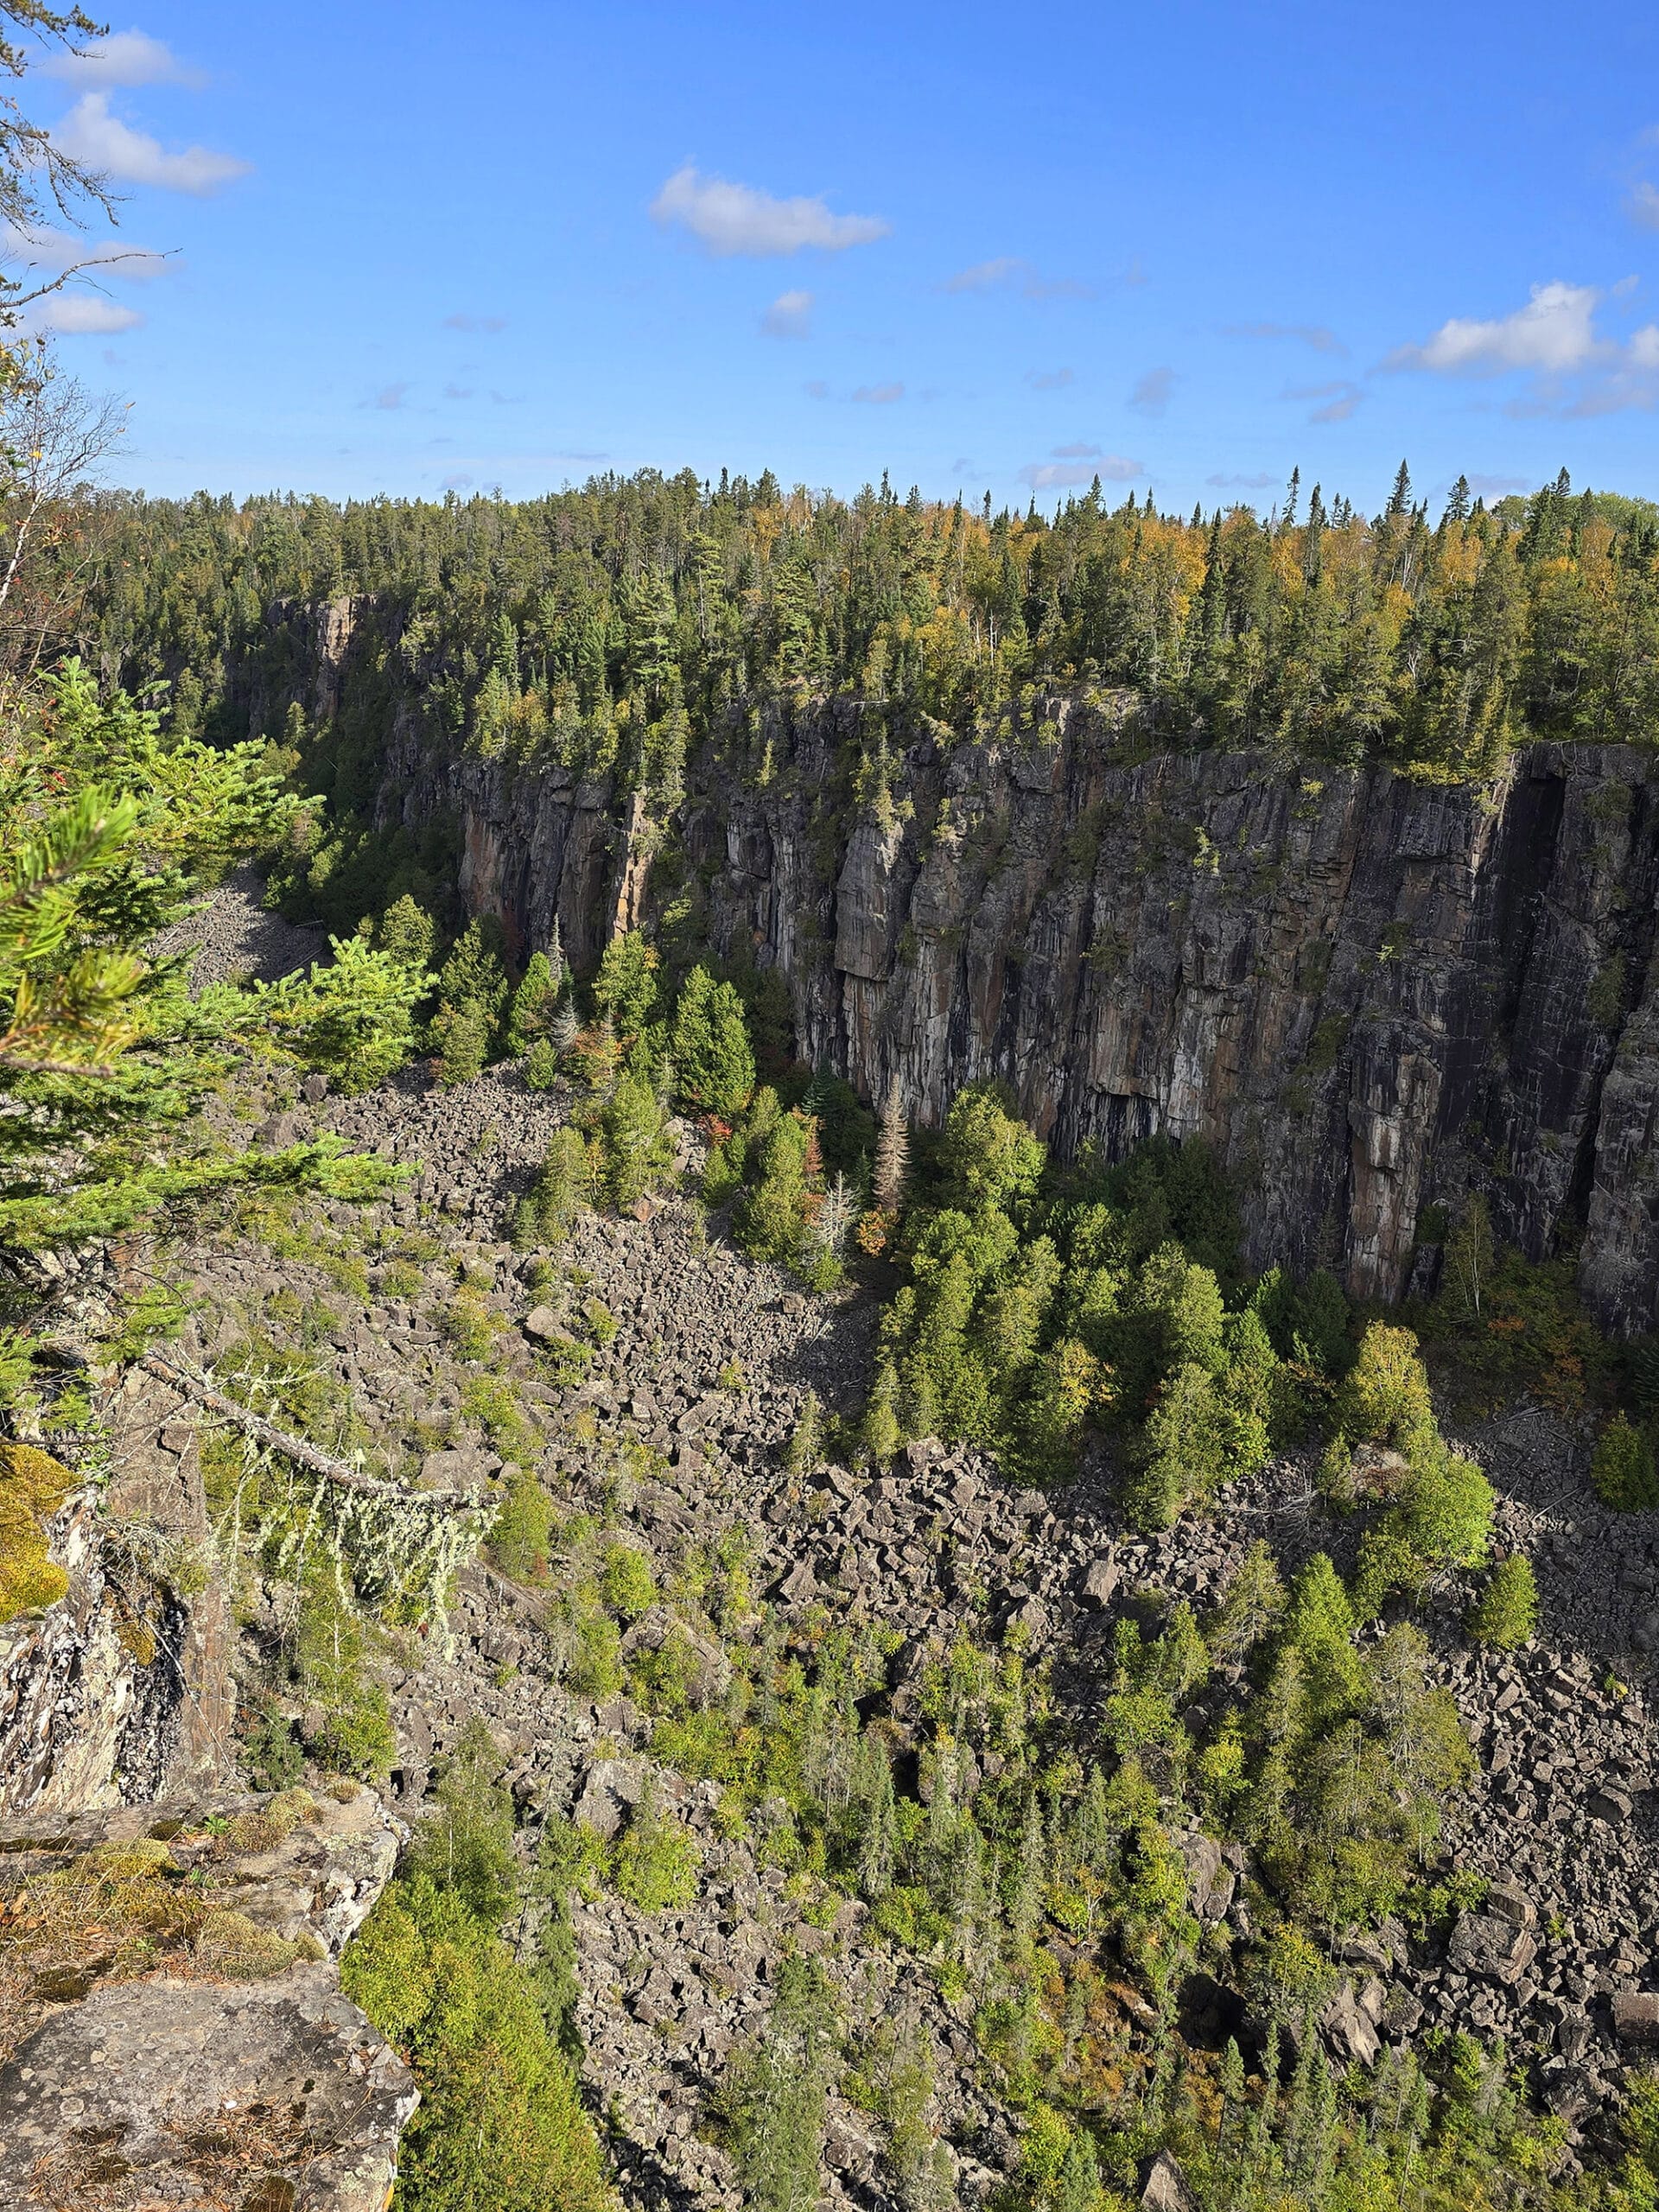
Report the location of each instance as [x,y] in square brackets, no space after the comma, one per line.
[170,2006]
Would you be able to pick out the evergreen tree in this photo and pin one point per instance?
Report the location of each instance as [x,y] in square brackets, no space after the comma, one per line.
[532,1009]
[624,990]
[773,2096]
[714,1066]
[805,1446]
[407,934]
[463,1035]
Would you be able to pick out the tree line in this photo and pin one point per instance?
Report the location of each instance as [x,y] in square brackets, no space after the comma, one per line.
[614,627]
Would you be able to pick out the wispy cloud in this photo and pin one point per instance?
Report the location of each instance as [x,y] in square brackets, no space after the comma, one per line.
[1066,471]
[1572,368]
[490,325]
[1307,334]
[790,315]
[737,219]
[1152,392]
[1496,488]
[56,250]
[1340,399]
[1009,273]
[123,58]
[879,395]
[90,135]
[815,388]
[1050,379]
[1229,480]
[457,391]
[389,398]
[1644,206]
[83,313]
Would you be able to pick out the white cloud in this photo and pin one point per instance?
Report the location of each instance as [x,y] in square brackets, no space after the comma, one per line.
[1309,333]
[82,313]
[1644,206]
[879,395]
[56,250]
[491,324]
[1554,333]
[90,135]
[389,398]
[1009,273]
[1495,487]
[1059,476]
[736,219]
[123,58]
[1574,370]
[1230,480]
[1151,393]
[790,315]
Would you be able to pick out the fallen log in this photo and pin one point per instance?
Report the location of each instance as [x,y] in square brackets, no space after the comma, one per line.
[198,1388]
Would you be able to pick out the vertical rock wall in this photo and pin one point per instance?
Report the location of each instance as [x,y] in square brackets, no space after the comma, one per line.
[1367,994]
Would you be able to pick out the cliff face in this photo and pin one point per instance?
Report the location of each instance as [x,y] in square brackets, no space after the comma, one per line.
[1368,995]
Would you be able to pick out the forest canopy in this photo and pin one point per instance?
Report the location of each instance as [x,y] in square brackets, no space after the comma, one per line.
[611,627]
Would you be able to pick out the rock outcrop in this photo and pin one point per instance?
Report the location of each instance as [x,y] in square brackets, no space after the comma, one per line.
[121,1692]
[218,2060]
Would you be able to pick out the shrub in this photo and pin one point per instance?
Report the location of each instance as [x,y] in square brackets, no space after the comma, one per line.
[625,1582]
[519,1541]
[1288,1977]
[1622,1467]
[594,1667]
[500,2126]
[471,1324]
[655,1863]
[1506,1612]
[1447,1515]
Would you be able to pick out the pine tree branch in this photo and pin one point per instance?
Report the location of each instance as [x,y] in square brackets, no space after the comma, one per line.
[263,1432]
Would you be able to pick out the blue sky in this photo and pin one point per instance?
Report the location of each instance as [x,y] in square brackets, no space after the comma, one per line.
[414,247]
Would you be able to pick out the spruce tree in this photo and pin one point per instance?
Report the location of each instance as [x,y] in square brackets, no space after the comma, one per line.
[714,1066]
[532,1004]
